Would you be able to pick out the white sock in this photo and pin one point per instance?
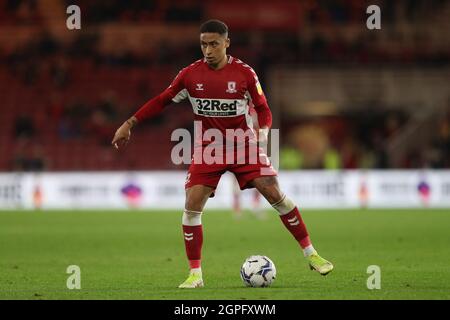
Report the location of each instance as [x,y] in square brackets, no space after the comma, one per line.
[309,250]
[196,270]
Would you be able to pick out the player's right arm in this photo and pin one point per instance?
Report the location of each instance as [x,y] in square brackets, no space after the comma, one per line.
[174,93]
[259,101]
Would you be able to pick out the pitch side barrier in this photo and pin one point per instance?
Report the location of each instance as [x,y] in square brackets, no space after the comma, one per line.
[165,190]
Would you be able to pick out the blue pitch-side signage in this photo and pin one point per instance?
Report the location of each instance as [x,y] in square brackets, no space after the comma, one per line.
[165,190]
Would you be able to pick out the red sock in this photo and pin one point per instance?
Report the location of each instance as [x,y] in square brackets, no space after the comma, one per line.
[193,240]
[294,223]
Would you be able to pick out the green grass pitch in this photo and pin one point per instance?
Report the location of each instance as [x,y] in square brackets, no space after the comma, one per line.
[140,254]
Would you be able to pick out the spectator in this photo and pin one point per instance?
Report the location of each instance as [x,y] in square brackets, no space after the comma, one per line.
[29,159]
[290,158]
[332,160]
[59,73]
[24,127]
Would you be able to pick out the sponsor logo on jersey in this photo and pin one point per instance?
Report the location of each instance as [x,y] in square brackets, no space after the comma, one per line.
[218,107]
[231,87]
[199,87]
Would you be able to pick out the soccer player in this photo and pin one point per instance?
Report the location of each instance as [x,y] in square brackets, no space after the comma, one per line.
[220,88]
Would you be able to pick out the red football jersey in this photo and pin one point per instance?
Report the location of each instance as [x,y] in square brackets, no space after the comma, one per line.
[220,99]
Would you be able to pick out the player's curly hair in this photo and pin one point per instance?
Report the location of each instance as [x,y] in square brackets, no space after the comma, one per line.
[214,26]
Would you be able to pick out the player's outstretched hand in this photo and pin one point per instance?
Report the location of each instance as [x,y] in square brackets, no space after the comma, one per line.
[122,135]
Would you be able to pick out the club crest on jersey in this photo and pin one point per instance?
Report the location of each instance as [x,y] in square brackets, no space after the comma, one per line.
[231,87]
[199,87]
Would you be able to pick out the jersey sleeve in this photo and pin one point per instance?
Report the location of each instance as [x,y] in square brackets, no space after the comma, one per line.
[258,99]
[254,88]
[176,92]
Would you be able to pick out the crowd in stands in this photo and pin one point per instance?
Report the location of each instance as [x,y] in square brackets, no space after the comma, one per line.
[437,153]
[341,142]
[51,71]
[319,12]
[19,12]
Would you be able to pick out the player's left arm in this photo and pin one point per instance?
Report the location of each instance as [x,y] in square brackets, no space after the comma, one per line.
[260,102]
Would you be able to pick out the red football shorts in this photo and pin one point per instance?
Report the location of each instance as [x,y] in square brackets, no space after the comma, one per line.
[209,174]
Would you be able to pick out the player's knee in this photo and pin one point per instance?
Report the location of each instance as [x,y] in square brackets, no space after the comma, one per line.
[268,187]
[193,204]
[271,193]
[271,198]
[196,198]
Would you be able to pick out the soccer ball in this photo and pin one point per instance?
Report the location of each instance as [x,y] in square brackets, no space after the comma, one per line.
[258,271]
